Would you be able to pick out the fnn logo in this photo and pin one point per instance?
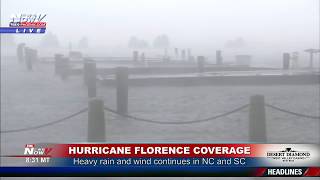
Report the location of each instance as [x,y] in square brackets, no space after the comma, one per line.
[26,24]
[31,18]
[32,150]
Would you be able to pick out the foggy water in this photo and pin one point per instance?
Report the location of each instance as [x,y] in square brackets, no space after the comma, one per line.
[32,98]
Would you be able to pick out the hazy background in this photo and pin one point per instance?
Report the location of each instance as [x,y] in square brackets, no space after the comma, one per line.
[279,25]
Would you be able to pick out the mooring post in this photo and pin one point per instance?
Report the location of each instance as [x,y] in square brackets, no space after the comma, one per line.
[64,68]
[91,79]
[57,63]
[176,52]
[200,62]
[20,52]
[96,121]
[85,71]
[257,119]
[135,55]
[183,54]
[122,89]
[311,60]
[218,58]
[143,57]
[286,61]
[86,62]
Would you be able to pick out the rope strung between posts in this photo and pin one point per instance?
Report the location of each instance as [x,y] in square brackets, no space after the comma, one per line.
[46,124]
[155,121]
[291,112]
[177,122]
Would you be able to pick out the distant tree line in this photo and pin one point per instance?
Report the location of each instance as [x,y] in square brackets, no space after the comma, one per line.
[51,40]
[134,42]
[161,41]
[236,43]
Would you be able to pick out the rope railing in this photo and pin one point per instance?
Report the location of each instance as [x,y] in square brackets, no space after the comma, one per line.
[45,124]
[291,112]
[177,122]
[156,121]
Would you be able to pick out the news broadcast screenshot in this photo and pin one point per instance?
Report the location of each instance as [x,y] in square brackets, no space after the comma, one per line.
[160,89]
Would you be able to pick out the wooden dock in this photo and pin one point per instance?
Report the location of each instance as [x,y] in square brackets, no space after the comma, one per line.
[219,78]
[170,69]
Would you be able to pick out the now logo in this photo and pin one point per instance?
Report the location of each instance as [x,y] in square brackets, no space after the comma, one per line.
[31,149]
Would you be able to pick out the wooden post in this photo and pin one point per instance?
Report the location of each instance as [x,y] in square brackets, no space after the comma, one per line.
[96,121]
[176,52]
[91,79]
[57,63]
[135,55]
[257,119]
[86,61]
[122,89]
[218,58]
[85,71]
[311,60]
[286,61]
[64,68]
[142,57]
[183,54]
[20,52]
[200,62]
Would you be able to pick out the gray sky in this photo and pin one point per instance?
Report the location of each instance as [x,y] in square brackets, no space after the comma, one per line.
[186,22]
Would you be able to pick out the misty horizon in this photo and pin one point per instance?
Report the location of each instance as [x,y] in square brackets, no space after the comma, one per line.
[188,23]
